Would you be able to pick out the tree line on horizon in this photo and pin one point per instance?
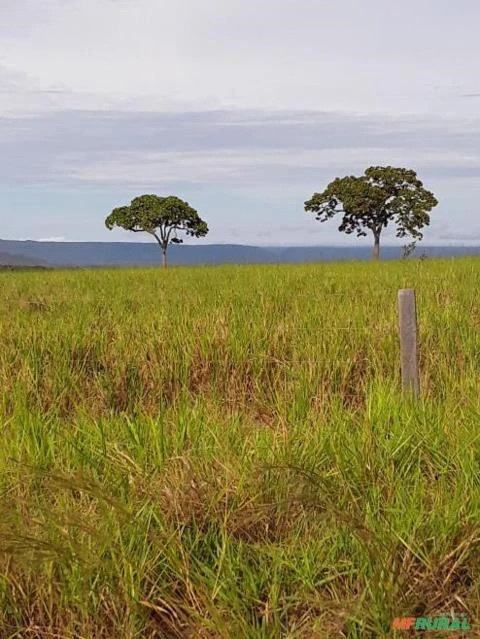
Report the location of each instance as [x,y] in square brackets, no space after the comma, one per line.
[368,203]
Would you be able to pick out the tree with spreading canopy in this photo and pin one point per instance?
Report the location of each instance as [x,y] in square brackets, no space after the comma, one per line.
[161,217]
[383,195]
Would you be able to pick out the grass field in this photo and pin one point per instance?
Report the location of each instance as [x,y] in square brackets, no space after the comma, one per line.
[224,452]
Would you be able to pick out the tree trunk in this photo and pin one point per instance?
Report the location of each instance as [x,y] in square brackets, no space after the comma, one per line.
[376,246]
[164,256]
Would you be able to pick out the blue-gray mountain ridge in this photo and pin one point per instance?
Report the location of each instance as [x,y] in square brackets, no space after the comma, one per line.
[57,254]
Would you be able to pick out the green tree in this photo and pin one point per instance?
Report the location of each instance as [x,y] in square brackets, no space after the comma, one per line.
[370,202]
[161,217]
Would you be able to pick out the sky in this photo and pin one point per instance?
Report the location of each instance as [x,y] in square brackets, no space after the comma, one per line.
[244,109]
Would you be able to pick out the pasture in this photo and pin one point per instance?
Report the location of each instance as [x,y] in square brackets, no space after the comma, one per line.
[222,452]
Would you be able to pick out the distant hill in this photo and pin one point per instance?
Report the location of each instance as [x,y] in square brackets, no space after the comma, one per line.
[19,260]
[30,253]
[126,253]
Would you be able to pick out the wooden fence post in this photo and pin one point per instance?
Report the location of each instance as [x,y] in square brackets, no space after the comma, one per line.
[407,322]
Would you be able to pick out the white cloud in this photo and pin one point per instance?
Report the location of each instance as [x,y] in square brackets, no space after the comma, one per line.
[292,54]
[56,238]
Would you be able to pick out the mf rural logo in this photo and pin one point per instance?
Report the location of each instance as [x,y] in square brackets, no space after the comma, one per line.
[439,622]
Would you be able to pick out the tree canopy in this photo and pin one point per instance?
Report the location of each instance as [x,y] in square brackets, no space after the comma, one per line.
[381,196]
[161,217]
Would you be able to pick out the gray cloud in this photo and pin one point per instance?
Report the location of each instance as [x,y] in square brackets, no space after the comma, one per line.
[76,147]
[244,109]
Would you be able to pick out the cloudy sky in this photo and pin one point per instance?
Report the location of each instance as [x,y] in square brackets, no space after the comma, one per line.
[242,108]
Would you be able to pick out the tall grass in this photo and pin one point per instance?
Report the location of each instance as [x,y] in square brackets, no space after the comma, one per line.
[223,451]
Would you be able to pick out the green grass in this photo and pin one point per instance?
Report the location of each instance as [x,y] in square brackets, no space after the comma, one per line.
[224,452]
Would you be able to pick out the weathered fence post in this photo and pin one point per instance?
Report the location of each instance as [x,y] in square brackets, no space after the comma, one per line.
[407,322]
